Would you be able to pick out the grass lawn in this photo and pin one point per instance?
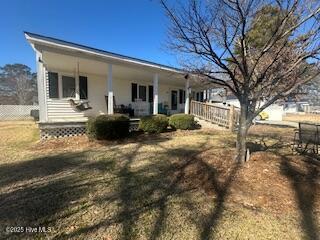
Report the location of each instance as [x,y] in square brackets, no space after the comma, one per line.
[176,185]
[308,117]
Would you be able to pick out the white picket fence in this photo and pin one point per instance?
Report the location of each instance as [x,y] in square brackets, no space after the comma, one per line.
[16,112]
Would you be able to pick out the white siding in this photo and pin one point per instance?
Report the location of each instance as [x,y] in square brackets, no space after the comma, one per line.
[60,109]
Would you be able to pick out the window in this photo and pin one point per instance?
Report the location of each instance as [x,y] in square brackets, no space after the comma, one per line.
[53,85]
[68,87]
[83,87]
[143,93]
[150,94]
[139,91]
[134,91]
[193,95]
[182,96]
[201,96]
[174,100]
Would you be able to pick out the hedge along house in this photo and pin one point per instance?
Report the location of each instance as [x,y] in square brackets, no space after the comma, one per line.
[70,75]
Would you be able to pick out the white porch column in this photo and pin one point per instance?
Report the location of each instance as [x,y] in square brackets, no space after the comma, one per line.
[207,94]
[41,84]
[110,90]
[187,102]
[77,90]
[155,93]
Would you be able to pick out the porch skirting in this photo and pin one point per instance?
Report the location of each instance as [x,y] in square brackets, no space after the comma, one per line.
[61,129]
[52,130]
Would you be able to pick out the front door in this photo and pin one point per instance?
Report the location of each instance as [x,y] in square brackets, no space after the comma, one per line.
[174,100]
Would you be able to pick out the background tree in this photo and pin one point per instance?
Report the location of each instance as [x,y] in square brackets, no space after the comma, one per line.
[19,83]
[227,42]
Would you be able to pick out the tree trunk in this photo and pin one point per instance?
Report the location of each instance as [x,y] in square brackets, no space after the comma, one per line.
[242,135]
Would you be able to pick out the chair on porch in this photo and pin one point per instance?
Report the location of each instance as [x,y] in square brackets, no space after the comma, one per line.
[120,108]
[162,109]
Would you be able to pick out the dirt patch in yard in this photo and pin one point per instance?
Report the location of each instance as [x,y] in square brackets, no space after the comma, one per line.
[267,182]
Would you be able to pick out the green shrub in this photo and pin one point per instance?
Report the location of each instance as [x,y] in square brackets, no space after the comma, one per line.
[108,127]
[182,121]
[154,123]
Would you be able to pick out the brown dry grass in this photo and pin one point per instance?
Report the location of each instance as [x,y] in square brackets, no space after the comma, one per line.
[312,118]
[15,138]
[177,185]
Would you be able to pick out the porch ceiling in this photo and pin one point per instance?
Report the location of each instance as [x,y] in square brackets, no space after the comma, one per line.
[69,63]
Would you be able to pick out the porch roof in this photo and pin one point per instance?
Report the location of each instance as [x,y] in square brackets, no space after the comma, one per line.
[40,40]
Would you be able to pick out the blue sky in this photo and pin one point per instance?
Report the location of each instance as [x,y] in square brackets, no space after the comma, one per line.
[135,28]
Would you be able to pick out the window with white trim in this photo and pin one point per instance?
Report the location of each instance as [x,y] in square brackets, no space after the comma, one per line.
[134,92]
[53,79]
[64,86]
[143,93]
[83,87]
[139,91]
[68,87]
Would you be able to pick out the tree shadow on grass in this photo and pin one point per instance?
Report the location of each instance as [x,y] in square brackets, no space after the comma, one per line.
[303,178]
[197,174]
[216,182]
[39,167]
[35,193]
[128,192]
[46,190]
[132,186]
[150,188]
[221,191]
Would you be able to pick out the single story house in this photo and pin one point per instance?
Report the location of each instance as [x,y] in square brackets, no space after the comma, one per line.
[77,81]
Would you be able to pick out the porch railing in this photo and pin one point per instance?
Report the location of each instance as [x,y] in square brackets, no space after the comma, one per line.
[224,116]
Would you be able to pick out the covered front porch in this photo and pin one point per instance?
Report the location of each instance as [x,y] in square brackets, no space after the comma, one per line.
[110,88]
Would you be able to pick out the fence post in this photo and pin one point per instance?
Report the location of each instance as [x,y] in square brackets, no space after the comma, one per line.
[231,118]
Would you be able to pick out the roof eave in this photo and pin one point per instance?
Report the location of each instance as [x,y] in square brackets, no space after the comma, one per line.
[32,39]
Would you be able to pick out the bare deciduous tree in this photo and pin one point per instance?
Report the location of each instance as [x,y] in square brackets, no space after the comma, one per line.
[23,89]
[219,41]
